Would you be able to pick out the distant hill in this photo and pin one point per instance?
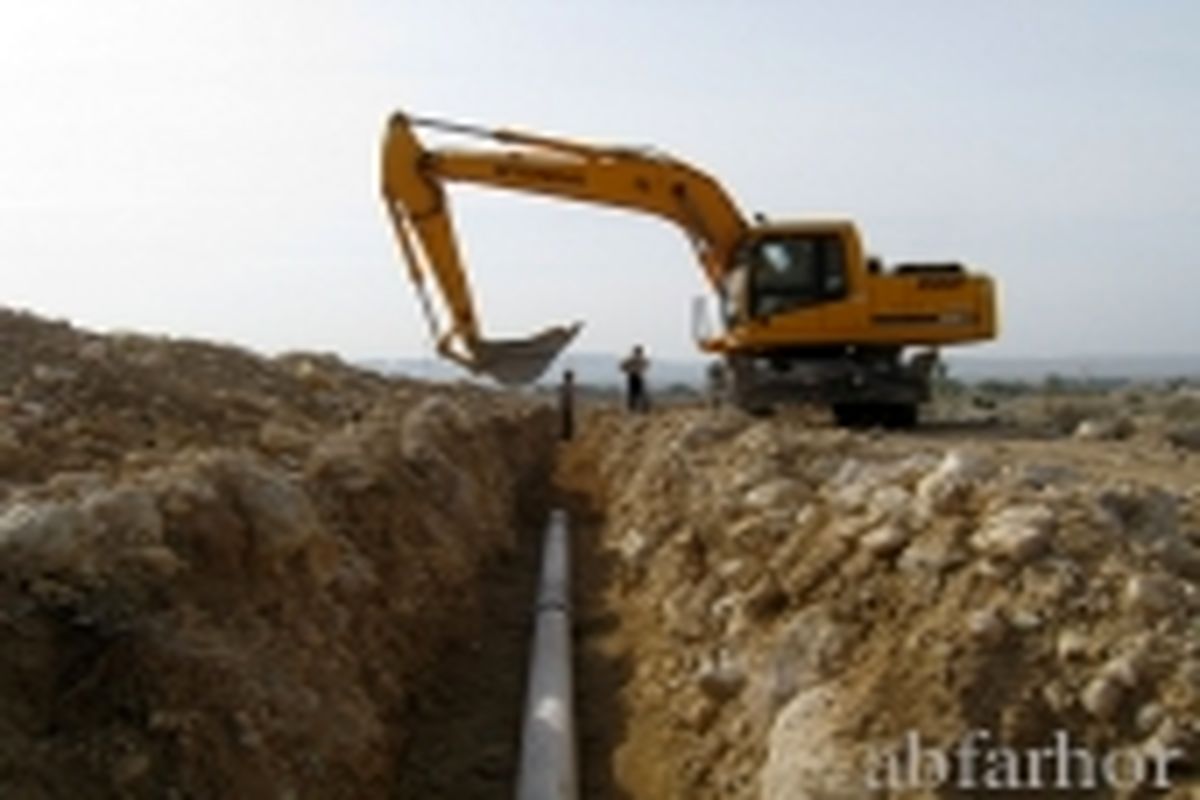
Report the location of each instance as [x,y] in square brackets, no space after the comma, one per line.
[1137,368]
[598,369]
[602,369]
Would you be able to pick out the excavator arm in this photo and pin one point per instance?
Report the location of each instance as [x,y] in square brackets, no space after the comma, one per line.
[414,180]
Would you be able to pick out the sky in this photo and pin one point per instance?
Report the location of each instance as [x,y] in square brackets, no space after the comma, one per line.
[210,167]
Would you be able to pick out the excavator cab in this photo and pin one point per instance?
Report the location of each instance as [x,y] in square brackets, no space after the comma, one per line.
[789,271]
[783,270]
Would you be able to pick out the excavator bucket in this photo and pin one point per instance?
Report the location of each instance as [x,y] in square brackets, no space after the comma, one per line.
[517,361]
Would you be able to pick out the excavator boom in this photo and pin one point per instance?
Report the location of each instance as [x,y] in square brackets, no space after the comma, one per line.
[413,188]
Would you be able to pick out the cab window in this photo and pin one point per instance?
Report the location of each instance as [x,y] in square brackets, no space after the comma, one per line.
[794,271]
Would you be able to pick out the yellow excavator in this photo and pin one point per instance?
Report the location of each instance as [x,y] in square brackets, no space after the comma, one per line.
[807,315]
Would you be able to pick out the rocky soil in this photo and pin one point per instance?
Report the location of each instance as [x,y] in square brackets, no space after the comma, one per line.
[794,601]
[227,576]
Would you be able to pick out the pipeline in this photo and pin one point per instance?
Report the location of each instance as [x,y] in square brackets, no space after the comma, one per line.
[548,768]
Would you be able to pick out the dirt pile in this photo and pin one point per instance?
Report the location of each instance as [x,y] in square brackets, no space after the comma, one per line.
[73,400]
[221,575]
[797,604]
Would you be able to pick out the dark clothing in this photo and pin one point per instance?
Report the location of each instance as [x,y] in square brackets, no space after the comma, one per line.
[636,398]
[634,367]
[566,406]
[566,411]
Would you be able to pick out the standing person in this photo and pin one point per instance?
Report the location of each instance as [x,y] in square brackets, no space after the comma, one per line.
[634,367]
[718,384]
[566,405]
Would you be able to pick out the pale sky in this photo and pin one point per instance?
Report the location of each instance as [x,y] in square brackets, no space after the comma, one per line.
[210,167]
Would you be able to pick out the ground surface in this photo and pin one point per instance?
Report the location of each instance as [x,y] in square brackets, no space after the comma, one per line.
[229,576]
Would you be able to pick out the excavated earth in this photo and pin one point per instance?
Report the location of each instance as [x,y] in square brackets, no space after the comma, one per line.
[789,605]
[227,576]
[223,576]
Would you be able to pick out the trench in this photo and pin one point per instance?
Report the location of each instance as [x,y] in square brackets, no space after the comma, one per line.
[466,713]
[465,720]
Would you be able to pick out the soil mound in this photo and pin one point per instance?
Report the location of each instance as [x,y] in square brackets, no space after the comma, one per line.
[221,575]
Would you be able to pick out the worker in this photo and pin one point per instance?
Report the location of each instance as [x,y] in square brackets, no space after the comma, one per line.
[718,384]
[634,367]
[566,405]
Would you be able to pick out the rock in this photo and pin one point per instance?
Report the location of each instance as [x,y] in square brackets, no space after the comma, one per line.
[720,679]
[808,520]
[886,540]
[1189,674]
[948,484]
[807,653]
[1185,437]
[1102,430]
[807,757]
[889,503]
[848,472]
[310,372]
[339,461]
[1177,556]
[1125,669]
[683,613]
[708,430]
[281,517]
[777,493]
[1102,696]
[1025,620]
[633,547]
[909,471]
[44,373]
[755,535]
[933,553]
[276,436]
[987,626]
[1016,533]
[1056,696]
[1149,717]
[50,533]
[125,517]
[1150,595]
[95,351]
[1072,646]
[1148,513]
[1041,476]
[430,422]
[154,562]
[1174,735]
[849,499]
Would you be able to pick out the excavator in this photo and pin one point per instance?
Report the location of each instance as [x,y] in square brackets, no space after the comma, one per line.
[808,316]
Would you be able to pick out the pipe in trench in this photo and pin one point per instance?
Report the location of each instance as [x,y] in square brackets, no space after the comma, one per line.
[548,768]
